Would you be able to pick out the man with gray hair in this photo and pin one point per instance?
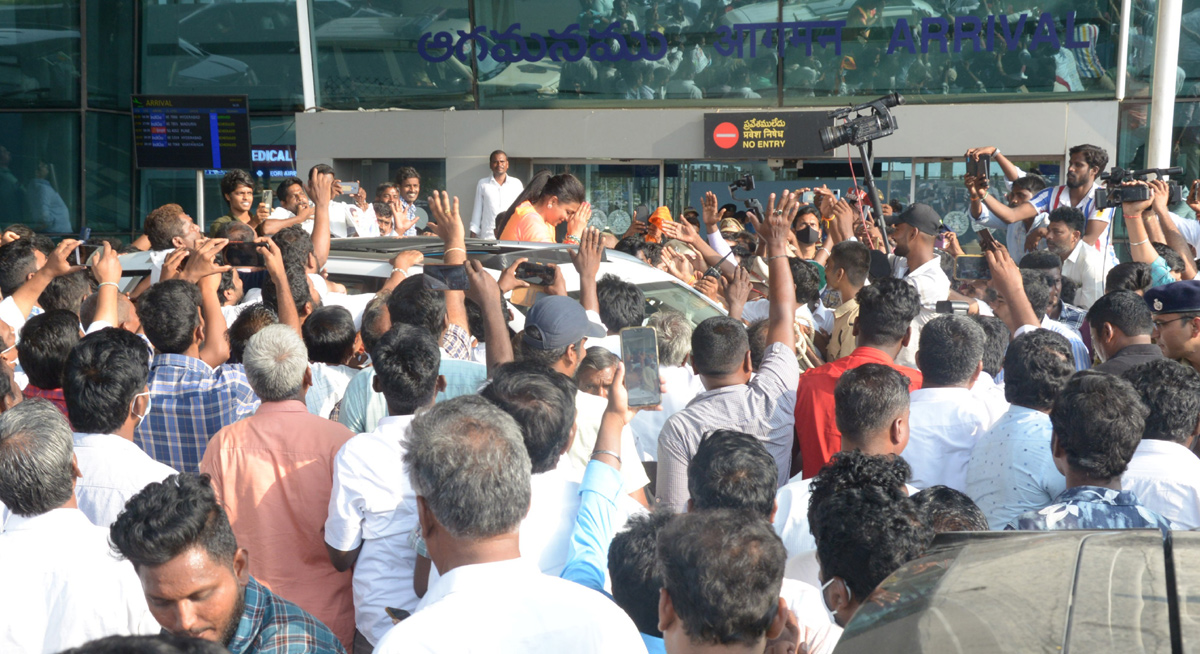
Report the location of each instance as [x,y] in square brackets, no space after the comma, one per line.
[467,462]
[62,585]
[673,331]
[273,471]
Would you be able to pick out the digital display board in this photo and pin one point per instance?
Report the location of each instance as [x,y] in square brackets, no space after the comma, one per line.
[196,132]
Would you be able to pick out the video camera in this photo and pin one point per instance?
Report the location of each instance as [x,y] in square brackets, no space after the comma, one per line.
[1116,194]
[863,129]
[746,183]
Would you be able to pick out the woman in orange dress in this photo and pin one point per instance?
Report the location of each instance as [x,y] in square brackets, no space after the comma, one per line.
[546,201]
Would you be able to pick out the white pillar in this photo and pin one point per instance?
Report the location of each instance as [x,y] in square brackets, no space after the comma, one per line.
[307,71]
[1162,102]
[200,201]
[1123,49]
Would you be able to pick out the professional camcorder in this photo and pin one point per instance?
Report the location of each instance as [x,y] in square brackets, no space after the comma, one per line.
[863,129]
[1115,194]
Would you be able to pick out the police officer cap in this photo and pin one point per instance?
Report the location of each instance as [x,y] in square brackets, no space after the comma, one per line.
[1178,297]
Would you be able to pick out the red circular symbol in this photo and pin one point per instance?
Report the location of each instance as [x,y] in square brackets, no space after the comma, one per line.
[726,135]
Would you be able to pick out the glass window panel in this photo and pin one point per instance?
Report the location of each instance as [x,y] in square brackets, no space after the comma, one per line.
[207,48]
[672,58]
[368,57]
[110,174]
[39,54]
[39,170]
[1068,47]
[110,52]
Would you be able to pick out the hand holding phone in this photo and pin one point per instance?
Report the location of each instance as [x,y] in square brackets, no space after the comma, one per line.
[639,352]
[446,277]
[971,267]
[350,188]
[986,240]
[535,273]
[268,198]
[244,254]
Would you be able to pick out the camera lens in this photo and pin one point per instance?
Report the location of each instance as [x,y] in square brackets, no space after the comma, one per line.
[835,136]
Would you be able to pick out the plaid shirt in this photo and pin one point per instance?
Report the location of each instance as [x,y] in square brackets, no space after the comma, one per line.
[189,403]
[1072,316]
[55,396]
[456,341]
[273,625]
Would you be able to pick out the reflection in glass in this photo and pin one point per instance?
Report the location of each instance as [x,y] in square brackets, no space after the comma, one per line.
[39,54]
[39,170]
[247,48]
[367,56]
[110,53]
[109,183]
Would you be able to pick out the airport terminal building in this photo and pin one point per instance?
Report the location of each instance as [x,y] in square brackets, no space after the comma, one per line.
[627,94]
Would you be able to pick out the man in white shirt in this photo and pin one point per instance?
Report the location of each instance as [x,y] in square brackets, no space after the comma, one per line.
[674,335]
[732,470]
[472,529]
[722,571]
[62,584]
[104,385]
[871,404]
[542,401]
[985,389]
[1164,473]
[332,342]
[1012,470]
[494,194]
[562,328]
[915,262]
[1083,173]
[294,208]
[946,418]
[1082,263]
[372,510]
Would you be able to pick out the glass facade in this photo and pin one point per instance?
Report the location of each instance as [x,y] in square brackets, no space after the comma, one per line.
[68,67]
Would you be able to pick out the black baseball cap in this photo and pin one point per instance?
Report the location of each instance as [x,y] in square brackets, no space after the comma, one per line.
[921,216]
[557,321]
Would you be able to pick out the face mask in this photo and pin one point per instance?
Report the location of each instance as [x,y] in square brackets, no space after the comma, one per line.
[808,235]
[832,614]
[141,417]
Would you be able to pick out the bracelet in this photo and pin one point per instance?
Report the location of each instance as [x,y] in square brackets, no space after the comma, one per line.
[608,452]
[825,249]
[402,271]
[777,256]
[571,240]
[449,250]
[1140,243]
[112,284]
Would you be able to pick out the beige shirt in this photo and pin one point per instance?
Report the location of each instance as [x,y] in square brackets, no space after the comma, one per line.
[841,342]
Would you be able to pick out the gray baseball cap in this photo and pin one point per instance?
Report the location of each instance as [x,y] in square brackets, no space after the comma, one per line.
[557,321]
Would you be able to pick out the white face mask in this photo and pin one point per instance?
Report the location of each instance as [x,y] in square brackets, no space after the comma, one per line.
[832,614]
[131,410]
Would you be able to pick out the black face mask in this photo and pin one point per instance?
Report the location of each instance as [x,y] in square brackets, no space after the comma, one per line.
[808,235]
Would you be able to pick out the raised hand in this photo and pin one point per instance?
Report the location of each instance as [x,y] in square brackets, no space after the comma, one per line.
[712,214]
[508,279]
[587,258]
[737,293]
[107,267]
[202,261]
[577,222]
[447,223]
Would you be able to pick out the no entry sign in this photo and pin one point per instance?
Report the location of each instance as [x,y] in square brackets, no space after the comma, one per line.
[726,135]
[764,134]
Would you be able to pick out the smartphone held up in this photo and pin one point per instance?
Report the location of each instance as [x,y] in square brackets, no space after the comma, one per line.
[446,277]
[639,352]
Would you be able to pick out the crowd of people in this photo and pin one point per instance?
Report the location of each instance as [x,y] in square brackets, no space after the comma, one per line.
[253,457]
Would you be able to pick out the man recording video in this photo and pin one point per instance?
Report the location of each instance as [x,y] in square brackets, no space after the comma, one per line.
[1087,162]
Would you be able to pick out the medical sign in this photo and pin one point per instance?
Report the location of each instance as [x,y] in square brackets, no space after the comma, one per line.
[764,134]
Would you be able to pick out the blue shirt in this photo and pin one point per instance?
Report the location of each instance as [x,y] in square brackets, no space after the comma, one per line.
[1092,507]
[587,551]
[1079,351]
[189,403]
[1012,469]
[1160,273]
[273,625]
